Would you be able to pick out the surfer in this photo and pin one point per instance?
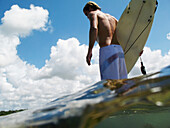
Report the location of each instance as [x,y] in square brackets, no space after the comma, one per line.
[102,30]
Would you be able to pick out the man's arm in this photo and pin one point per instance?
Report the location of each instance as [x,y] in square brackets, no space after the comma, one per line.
[92,35]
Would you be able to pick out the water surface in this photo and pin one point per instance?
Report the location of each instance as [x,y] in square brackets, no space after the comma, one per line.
[142,102]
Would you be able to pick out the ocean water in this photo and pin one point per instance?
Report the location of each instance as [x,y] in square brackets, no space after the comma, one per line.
[140,102]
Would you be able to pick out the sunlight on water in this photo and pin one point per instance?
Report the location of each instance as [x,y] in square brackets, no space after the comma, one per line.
[142,102]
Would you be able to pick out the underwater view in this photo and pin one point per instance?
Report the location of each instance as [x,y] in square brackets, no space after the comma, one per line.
[140,102]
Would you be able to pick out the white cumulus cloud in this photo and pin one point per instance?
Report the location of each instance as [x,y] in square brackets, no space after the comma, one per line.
[19,21]
[168,36]
[23,85]
[68,62]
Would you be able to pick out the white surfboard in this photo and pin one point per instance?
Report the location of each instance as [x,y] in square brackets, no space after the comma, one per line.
[134,27]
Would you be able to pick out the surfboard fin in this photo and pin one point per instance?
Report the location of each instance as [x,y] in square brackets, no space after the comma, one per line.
[156,6]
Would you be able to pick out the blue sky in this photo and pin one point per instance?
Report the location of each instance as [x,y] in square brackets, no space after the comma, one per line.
[68,20]
[43,45]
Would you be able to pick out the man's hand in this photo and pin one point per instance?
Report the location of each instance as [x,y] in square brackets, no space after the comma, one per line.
[88,58]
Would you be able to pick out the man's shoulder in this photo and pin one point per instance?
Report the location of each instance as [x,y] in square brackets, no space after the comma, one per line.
[110,16]
[92,14]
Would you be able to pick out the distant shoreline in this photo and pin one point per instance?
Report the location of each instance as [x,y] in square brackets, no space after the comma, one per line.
[4,113]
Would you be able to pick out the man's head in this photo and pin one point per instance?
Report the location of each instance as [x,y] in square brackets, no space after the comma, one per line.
[91,6]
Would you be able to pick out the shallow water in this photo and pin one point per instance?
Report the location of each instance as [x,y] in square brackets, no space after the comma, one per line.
[142,102]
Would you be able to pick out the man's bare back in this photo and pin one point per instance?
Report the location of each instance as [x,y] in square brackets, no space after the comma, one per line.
[106,25]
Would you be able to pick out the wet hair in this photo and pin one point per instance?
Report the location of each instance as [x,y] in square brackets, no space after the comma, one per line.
[91,4]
